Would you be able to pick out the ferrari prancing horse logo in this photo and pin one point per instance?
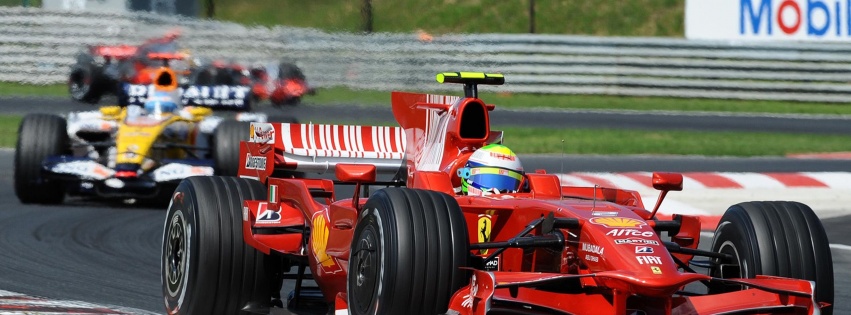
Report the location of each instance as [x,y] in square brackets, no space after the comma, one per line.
[484,231]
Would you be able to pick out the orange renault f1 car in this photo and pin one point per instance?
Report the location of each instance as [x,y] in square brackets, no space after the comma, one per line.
[420,245]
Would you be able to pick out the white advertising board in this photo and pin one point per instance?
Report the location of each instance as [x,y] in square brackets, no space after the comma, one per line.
[86,5]
[798,20]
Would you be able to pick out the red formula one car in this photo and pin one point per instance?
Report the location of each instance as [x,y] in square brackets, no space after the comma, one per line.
[462,229]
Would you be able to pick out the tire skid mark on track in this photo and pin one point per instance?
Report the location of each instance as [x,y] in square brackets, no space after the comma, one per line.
[12,303]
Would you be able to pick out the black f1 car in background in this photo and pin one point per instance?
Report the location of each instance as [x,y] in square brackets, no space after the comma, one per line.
[106,70]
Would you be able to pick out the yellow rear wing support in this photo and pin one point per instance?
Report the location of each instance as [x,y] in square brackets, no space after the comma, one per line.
[471,80]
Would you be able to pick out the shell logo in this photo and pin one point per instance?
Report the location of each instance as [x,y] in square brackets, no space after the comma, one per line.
[320,241]
[618,222]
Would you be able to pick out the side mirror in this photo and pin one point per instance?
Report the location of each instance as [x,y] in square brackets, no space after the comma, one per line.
[668,181]
[356,173]
[665,182]
[110,111]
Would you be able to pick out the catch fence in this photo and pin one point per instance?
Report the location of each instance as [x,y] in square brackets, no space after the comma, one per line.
[38,47]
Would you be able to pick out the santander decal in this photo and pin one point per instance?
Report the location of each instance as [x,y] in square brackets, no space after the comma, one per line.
[810,18]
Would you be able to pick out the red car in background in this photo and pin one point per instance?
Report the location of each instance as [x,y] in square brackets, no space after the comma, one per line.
[103,70]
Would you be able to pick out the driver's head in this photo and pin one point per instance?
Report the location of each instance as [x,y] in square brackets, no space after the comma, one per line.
[493,169]
[160,103]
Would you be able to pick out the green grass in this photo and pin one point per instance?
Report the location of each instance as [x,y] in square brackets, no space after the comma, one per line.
[15,3]
[602,17]
[17,89]
[9,130]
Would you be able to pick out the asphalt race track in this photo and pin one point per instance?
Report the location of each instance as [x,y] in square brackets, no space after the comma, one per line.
[109,253]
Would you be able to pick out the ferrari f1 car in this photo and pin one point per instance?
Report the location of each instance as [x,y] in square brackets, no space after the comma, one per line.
[133,152]
[104,70]
[418,246]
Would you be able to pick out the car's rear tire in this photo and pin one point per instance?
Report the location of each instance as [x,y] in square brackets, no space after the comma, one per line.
[39,136]
[292,101]
[407,252]
[84,84]
[226,138]
[776,238]
[206,266]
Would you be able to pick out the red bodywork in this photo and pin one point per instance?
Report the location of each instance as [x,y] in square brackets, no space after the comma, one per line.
[615,258]
[144,59]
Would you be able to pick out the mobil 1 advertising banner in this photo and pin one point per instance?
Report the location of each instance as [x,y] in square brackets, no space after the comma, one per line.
[782,20]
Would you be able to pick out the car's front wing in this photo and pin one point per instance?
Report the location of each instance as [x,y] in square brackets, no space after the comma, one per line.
[615,292]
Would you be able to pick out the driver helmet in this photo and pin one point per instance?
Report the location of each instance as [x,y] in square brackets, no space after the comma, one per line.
[161,103]
[492,169]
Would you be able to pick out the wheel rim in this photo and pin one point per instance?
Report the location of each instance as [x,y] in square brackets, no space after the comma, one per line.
[176,253]
[727,247]
[366,270]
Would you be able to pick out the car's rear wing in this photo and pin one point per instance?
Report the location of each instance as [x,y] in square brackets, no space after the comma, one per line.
[118,52]
[318,148]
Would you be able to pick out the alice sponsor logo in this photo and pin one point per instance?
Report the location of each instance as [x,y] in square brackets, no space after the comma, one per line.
[255,162]
[629,233]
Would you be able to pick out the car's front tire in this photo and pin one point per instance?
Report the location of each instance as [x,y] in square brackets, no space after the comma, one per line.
[206,267]
[407,252]
[39,136]
[777,238]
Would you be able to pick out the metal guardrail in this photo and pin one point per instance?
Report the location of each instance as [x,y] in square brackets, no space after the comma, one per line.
[38,46]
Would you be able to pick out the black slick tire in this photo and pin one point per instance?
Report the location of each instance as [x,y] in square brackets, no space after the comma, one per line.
[226,138]
[39,136]
[777,238]
[206,266]
[85,83]
[408,249]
